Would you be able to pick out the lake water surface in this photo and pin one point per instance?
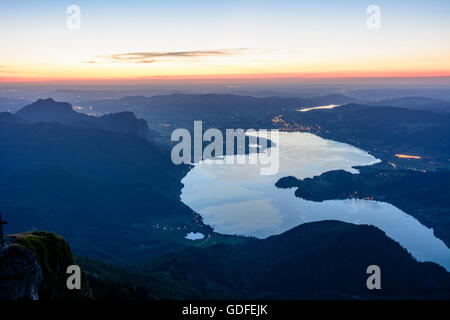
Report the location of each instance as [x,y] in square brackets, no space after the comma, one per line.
[236,199]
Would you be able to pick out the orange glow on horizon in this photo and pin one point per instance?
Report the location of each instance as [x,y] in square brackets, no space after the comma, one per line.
[236,76]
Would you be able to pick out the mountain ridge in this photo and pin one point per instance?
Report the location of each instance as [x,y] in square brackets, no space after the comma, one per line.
[317,260]
[49,110]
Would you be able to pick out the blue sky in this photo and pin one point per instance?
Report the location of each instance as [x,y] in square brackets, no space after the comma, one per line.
[281,36]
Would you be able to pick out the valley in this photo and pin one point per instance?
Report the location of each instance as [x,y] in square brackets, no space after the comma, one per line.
[114,194]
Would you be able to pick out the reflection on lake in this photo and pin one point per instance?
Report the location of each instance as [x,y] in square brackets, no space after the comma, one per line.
[236,199]
[330,106]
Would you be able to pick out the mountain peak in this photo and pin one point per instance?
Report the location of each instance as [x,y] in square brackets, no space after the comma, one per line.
[51,103]
[49,110]
[48,100]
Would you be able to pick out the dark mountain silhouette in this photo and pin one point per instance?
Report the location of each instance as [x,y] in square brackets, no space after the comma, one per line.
[332,256]
[166,112]
[103,190]
[122,122]
[116,196]
[320,260]
[222,103]
[416,103]
[49,110]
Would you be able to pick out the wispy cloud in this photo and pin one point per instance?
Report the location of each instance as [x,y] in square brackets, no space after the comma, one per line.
[154,56]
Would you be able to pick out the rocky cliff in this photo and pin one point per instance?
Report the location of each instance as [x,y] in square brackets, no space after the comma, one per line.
[33,266]
[20,274]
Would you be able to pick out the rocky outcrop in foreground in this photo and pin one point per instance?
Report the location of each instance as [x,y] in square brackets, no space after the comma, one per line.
[33,267]
[20,274]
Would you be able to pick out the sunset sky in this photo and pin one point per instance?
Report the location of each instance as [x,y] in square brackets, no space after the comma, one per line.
[152,39]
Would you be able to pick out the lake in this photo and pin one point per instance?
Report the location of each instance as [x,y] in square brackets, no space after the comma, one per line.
[236,199]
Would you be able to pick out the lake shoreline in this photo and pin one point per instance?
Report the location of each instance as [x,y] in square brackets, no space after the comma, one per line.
[237,200]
